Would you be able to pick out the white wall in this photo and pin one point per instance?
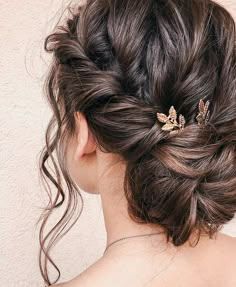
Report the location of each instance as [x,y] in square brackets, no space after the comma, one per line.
[23,118]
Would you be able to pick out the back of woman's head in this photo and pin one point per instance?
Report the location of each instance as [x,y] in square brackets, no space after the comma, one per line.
[119,63]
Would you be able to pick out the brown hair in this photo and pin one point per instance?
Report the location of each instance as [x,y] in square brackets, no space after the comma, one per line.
[119,63]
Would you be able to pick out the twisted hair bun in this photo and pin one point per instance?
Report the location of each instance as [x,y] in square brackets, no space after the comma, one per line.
[122,62]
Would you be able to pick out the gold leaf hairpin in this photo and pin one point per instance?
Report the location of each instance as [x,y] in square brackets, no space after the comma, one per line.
[173,126]
[170,121]
[203,114]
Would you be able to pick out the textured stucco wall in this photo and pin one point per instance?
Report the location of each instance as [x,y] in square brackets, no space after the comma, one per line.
[23,118]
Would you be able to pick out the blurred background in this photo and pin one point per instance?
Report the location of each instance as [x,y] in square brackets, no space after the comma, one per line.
[24,115]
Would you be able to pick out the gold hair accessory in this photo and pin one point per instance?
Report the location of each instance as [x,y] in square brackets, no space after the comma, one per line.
[170,121]
[203,114]
[173,126]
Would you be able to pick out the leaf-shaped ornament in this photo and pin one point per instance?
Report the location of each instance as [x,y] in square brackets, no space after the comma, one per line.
[181,120]
[201,106]
[167,127]
[172,113]
[206,108]
[207,117]
[199,118]
[162,117]
[174,132]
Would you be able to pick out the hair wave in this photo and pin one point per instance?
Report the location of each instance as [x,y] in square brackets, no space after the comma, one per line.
[119,63]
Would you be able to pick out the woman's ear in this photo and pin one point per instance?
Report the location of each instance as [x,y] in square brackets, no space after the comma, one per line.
[85,140]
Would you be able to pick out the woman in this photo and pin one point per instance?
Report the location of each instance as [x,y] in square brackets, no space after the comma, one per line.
[144,102]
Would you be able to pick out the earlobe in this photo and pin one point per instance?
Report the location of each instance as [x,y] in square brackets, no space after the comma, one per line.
[85,140]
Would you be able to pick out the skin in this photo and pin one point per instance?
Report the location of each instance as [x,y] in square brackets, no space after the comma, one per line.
[142,261]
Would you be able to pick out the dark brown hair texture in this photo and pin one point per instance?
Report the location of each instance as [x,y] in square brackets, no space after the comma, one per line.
[119,62]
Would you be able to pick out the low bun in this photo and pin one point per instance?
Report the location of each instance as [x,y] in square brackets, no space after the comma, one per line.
[185,184]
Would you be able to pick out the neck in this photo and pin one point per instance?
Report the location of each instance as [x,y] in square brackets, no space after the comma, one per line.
[115,208]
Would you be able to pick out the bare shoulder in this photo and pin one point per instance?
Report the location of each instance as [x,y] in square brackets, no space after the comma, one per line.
[71,283]
[227,251]
[231,251]
[95,275]
[64,284]
[91,277]
[104,272]
[227,241]
[229,246]
[113,272]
